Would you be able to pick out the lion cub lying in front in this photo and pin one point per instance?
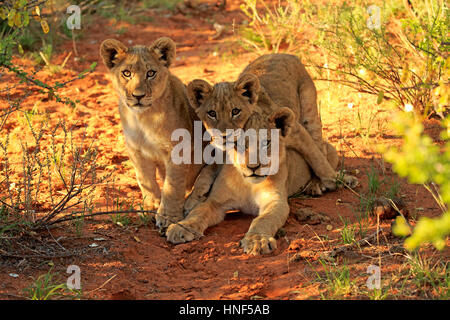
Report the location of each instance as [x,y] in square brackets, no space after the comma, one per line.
[266,84]
[247,187]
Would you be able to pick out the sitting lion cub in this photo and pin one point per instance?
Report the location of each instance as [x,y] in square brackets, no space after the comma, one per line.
[152,104]
[252,188]
[268,83]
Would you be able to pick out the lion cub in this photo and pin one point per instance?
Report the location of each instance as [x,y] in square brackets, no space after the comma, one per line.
[268,83]
[251,188]
[152,104]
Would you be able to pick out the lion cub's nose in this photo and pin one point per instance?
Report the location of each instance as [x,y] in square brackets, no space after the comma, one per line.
[138,96]
[253,167]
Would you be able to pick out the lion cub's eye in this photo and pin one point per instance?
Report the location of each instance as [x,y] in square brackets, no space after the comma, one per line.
[235,112]
[151,74]
[126,73]
[212,113]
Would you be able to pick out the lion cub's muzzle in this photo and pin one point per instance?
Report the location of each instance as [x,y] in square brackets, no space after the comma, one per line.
[220,142]
[140,101]
[252,173]
[225,140]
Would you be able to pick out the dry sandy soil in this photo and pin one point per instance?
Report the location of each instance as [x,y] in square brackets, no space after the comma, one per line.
[134,262]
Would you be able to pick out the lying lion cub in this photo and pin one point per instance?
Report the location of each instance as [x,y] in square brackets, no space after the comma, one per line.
[268,83]
[152,104]
[247,187]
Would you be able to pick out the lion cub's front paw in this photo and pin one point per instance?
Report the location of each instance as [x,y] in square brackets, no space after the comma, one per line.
[163,220]
[331,185]
[328,184]
[178,233]
[256,244]
[315,187]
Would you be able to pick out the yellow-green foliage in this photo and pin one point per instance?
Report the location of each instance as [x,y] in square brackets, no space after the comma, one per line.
[392,49]
[269,28]
[18,12]
[423,162]
[401,58]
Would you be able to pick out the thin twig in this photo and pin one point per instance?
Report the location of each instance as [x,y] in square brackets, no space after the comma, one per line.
[104,284]
[42,256]
[56,240]
[346,247]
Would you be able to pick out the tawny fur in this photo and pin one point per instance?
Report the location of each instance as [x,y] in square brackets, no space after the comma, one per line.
[265,197]
[268,83]
[141,74]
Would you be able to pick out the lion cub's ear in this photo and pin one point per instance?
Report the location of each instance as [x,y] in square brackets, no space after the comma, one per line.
[165,50]
[197,91]
[248,86]
[283,119]
[112,51]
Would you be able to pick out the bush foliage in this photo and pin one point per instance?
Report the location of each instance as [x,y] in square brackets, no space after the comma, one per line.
[65,163]
[365,45]
[423,162]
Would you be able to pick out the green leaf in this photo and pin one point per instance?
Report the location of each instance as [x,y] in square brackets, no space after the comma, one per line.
[26,19]
[11,17]
[380,97]
[401,227]
[22,3]
[18,20]
[19,47]
[3,13]
[45,26]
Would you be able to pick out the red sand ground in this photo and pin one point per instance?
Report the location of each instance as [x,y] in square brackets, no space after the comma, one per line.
[140,264]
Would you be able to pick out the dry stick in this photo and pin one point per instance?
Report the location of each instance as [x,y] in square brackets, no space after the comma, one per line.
[378,240]
[55,239]
[5,204]
[437,197]
[66,59]
[104,284]
[75,215]
[317,236]
[394,206]
[29,256]
[74,45]
[346,247]
[11,295]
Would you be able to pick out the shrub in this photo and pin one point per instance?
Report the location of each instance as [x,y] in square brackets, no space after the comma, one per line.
[46,153]
[393,52]
[365,45]
[422,162]
[272,30]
